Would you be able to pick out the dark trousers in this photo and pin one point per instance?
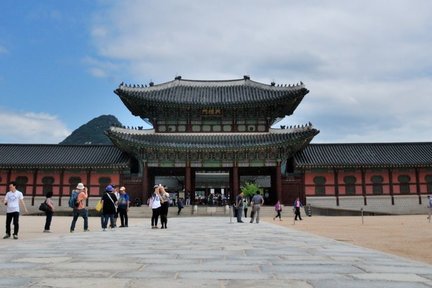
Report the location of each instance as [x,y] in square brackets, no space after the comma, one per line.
[239,213]
[179,210]
[49,215]
[155,217]
[79,212]
[164,214]
[278,214]
[245,211]
[297,213]
[123,216]
[105,218]
[9,217]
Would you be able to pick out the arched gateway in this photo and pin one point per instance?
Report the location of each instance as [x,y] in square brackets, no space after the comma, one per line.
[207,130]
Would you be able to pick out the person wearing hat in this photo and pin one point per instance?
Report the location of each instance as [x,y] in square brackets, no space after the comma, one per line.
[109,204]
[123,207]
[80,210]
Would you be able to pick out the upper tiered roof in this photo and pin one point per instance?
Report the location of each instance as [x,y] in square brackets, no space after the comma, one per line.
[367,155]
[195,94]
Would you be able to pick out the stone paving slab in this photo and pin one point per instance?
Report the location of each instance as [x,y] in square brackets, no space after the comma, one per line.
[202,252]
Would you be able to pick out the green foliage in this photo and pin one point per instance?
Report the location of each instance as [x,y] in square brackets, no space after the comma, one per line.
[250,189]
[93,132]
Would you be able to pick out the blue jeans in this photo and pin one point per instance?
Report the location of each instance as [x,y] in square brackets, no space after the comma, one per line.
[79,212]
[239,213]
[105,218]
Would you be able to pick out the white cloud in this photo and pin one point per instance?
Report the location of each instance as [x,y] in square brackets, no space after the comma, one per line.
[367,64]
[30,127]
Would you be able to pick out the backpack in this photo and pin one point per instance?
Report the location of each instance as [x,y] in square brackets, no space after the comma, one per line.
[73,199]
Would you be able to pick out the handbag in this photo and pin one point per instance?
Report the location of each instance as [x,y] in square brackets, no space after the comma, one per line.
[99,206]
[44,207]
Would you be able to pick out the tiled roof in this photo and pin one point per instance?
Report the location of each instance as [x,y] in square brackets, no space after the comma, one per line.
[210,141]
[61,156]
[374,155]
[196,94]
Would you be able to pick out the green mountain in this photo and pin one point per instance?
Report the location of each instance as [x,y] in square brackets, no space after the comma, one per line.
[93,131]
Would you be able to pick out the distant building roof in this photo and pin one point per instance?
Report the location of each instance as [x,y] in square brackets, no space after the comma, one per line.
[373,155]
[240,93]
[16,156]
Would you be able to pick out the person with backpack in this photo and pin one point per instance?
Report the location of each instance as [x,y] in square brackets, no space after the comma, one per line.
[76,200]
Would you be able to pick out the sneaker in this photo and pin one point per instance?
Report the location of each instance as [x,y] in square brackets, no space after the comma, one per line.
[6,236]
[86,230]
[15,237]
[46,231]
[71,230]
[104,229]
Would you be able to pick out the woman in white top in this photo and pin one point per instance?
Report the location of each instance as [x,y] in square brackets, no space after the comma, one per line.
[155,204]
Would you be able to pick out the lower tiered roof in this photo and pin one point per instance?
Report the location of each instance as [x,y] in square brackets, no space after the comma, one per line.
[135,140]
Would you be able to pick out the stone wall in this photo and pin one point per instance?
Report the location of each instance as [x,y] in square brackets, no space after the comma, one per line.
[403,204]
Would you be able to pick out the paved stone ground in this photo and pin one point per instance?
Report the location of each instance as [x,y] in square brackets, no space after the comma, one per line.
[201,252]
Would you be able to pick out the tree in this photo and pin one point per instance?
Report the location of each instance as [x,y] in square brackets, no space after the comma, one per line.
[250,189]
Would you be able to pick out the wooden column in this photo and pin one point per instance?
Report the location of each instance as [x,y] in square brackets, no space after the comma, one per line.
[363,176]
[188,182]
[235,181]
[61,186]
[88,185]
[336,185]
[35,173]
[418,185]
[390,174]
[8,179]
[279,181]
[145,183]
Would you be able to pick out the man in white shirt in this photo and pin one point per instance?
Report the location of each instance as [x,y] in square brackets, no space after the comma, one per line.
[12,201]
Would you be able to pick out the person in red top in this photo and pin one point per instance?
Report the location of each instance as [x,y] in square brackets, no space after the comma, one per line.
[81,210]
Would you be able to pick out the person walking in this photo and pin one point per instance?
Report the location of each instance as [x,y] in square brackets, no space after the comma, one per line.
[179,205]
[49,213]
[155,204]
[278,209]
[245,206]
[429,206]
[109,203]
[239,207]
[297,205]
[12,200]
[256,203]
[123,207]
[165,202]
[80,209]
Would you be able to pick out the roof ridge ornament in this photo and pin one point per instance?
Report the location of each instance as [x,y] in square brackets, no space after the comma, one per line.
[246,77]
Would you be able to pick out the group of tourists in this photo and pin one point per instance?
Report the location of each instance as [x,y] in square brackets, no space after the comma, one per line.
[241,205]
[115,204]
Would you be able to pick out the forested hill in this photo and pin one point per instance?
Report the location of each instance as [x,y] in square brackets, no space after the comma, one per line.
[93,131]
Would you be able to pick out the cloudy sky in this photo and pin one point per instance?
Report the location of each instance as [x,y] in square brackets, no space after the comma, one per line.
[367,64]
